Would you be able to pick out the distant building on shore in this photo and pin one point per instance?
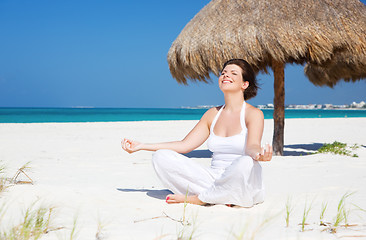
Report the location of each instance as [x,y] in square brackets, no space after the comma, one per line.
[358,105]
[267,106]
[354,105]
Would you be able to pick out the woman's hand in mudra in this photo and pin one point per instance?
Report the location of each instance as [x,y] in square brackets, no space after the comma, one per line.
[130,146]
[265,154]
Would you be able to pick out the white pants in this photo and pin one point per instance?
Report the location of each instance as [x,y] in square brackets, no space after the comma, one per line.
[240,183]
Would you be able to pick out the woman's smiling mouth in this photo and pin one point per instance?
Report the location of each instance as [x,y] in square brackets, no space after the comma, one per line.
[225,81]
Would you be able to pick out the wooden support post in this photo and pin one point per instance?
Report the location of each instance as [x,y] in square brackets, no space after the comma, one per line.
[279,107]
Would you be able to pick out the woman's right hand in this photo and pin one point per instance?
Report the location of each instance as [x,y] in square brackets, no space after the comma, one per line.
[265,154]
[130,146]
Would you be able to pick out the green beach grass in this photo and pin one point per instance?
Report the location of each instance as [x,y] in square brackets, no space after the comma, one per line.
[339,148]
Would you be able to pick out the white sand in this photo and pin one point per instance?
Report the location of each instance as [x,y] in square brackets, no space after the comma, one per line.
[80,169]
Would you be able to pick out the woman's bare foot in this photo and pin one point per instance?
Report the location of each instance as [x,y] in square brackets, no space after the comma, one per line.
[177,198]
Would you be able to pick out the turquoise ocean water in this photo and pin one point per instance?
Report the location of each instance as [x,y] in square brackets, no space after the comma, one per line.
[37,115]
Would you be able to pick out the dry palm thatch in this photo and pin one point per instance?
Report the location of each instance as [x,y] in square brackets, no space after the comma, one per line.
[293,31]
[343,66]
[328,35]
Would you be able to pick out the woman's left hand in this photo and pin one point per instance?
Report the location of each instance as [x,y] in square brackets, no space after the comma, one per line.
[265,154]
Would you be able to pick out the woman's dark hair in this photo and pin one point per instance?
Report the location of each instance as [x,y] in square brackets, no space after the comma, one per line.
[247,74]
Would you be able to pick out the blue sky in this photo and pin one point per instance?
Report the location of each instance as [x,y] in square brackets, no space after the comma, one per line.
[113,54]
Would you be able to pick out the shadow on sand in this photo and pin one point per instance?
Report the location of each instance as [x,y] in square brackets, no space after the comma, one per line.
[299,150]
[199,154]
[302,149]
[159,194]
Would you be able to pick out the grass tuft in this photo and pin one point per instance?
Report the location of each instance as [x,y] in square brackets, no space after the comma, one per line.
[188,229]
[307,209]
[7,182]
[35,224]
[251,229]
[101,234]
[289,209]
[3,180]
[322,213]
[338,148]
[22,171]
[73,232]
[341,210]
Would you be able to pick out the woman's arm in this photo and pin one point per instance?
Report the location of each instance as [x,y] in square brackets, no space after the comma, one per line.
[195,138]
[254,121]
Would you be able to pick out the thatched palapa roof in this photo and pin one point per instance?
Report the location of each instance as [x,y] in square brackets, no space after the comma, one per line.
[327,35]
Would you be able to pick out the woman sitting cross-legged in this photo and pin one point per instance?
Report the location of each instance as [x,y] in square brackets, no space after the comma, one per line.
[233,133]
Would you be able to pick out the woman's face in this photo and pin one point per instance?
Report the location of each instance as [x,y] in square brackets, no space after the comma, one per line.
[231,79]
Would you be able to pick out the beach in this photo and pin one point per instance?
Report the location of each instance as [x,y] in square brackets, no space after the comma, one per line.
[98,191]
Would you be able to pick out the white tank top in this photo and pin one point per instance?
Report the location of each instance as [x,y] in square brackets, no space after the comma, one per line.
[226,149]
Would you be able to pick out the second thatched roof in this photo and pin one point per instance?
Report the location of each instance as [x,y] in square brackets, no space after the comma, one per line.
[328,35]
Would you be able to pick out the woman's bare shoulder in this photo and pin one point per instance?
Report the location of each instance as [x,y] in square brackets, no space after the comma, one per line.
[213,110]
[253,112]
[211,113]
